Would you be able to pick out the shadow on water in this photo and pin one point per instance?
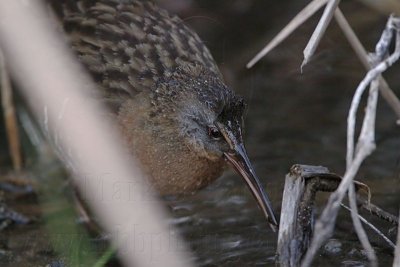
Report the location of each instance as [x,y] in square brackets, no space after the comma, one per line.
[291,118]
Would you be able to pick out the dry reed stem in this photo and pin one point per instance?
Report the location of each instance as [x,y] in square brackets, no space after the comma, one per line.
[299,19]
[396,261]
[9,116]
[366,144]
[319,31]
[367,129]
[370,225]
[305,14]
[54,85]
[366,140]
[362,54]
[361,234]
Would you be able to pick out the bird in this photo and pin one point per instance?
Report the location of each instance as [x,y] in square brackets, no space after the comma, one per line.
[164,90]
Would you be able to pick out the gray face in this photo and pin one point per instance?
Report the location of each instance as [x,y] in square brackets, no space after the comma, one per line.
[218,136]
[200,127]
[200,104]
[208,116]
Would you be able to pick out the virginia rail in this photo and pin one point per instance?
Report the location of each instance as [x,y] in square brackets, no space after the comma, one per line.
[160,81]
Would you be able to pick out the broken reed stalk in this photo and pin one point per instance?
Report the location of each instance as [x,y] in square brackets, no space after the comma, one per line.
[305,14]
[299,19]
[325,224]
[297,216]
[366,140]
[296,221]
[319,31]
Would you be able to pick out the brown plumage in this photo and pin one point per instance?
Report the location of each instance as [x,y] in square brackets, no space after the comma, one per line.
[166,92]
[128,45]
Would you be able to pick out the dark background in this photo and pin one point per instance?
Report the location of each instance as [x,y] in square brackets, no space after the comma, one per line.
[292,117]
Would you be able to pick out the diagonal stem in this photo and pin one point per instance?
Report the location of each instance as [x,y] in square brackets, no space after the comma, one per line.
[325,224]
[299,19]
[319,31]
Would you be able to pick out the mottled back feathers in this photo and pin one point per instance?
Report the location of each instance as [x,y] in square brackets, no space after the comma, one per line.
[161,83]
[128,45]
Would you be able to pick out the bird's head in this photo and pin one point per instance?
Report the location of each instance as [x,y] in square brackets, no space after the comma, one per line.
[210,120]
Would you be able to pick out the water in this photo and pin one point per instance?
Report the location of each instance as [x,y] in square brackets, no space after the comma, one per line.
[291,118]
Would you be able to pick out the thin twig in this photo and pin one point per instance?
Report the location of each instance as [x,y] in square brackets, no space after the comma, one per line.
[367,138]
[359,229]
[299,19]
[371,75]
[378,212]
[325,225]
[367,132]
[319,31]
[362,54]
[351,119]
[370,225]
[396,261]
[9,115]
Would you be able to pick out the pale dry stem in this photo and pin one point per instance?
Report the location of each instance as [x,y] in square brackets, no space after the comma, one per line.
[299,19]
[370,225]
[10,117]
[396,262]
[385,90]
[365,145]
[56,88]
[319,31]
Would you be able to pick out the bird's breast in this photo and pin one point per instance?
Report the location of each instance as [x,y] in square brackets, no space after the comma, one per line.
[172,167]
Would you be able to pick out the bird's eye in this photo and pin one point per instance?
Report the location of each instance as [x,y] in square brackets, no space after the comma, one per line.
[214,133]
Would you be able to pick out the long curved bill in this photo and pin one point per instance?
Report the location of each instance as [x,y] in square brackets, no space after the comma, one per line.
[238,158]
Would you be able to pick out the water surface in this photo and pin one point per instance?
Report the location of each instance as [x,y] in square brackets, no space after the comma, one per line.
[291,118]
